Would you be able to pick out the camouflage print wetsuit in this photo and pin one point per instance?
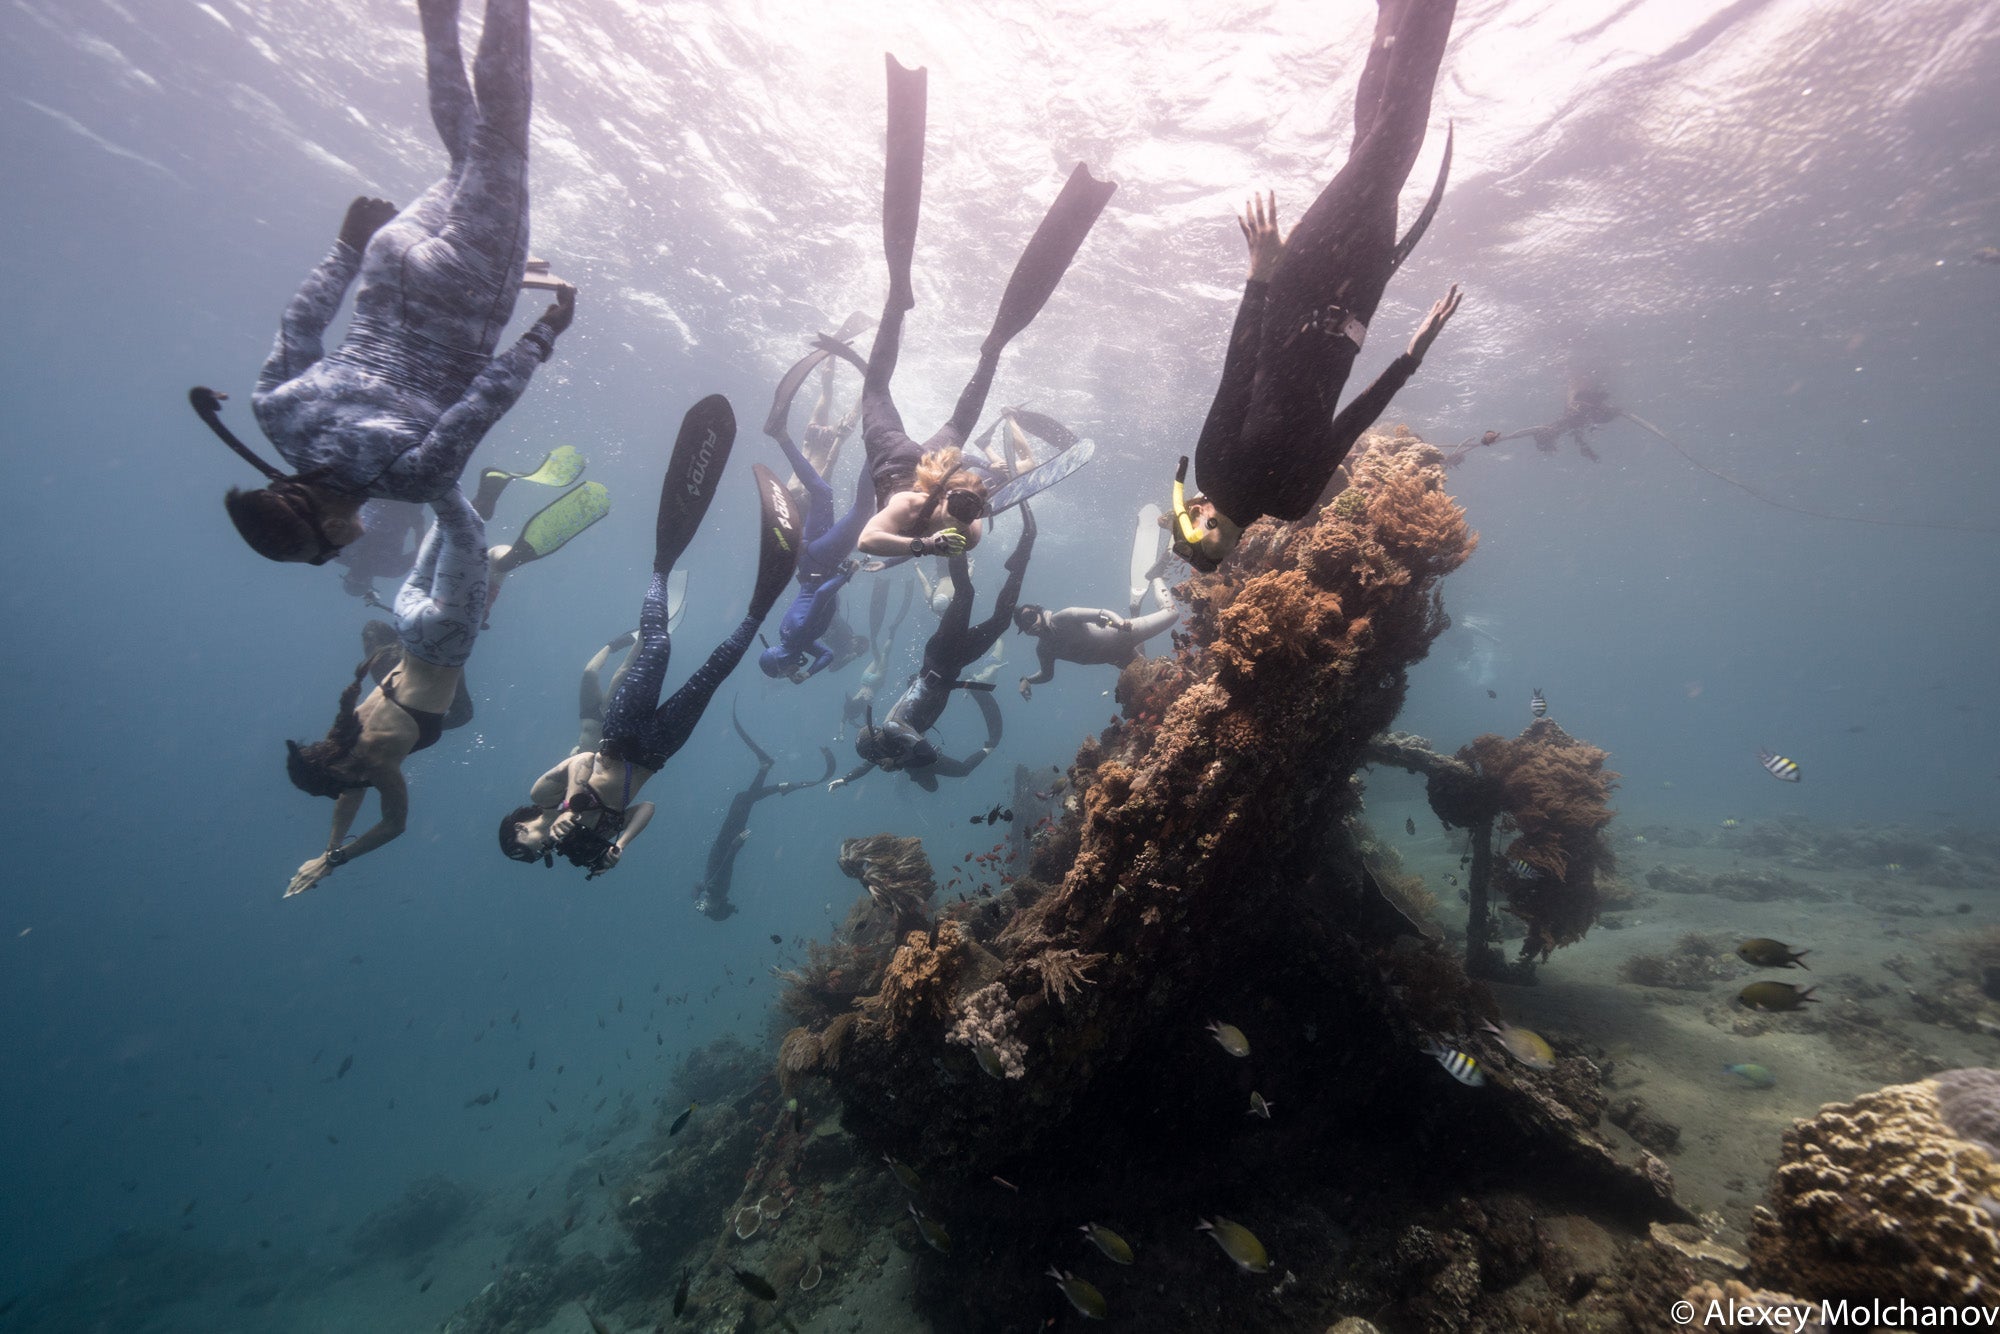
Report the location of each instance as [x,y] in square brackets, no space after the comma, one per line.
[398,407]
[441,604]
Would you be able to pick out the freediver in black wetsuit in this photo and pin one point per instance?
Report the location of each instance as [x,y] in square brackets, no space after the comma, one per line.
[711,895]
[1273,436]
[582,808]
[908,521]
[899,742]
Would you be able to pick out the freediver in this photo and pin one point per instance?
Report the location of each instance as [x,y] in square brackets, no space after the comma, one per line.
[823,566]
[395,411]
[711,894]
[1587,407]
[1090,636]
[914,482]
[1273,439]
[899,742]
[583,808]
[421,692]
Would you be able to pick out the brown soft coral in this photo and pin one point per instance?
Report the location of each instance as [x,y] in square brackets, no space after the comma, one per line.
[918,982]
[1879,1198]
[1554,796]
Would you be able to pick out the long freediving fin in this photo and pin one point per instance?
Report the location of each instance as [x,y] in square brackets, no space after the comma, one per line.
[1043,427]
[778,424]
[1147,539]
[693,473]
[744,736]
[903,175]
[554,524]
[677,599]
[777,541]
[1050,250]
[1417,228]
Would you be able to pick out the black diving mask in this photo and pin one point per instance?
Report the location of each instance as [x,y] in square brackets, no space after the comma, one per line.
[964,505]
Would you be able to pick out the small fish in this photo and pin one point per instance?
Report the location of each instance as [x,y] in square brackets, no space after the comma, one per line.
[993,815]
[1780,767]
[1638,838]
[1003,1181]
[346,1064]
[1456,1063]
[756,1285]
[1259,1107]
[1523,871]
[1732,823]
[1894,868]
[483,1099]
[1410,827]
[905,1174]
[989,1060]
[1754,1076]
[933,1232]
[1088,1301]
[1230,1038]
[680,1122]
[1775,996]
[1115,1247]
[1525,1045]
[1537,705]
[777,939]
[531,1060]
[975,820]
[1450,879]
[1007,815]
[681,1293]
[1767,953]
[424,1286]
[1493,694]
[1239,1243]
[552,1107]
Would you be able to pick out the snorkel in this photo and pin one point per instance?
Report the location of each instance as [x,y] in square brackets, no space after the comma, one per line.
[1190,534]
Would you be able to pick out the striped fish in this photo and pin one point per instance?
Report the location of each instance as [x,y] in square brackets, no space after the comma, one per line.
[1456,1063]
[1523,871]
[1539,705]
[1780,767]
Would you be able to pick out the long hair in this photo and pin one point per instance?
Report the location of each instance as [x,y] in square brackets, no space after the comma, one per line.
[271,528]
[942,469]
[311,766]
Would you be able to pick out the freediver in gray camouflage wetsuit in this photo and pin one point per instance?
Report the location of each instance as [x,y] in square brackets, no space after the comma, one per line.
[396,410]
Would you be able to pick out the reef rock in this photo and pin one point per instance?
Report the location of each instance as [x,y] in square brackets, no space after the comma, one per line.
[1893,1195]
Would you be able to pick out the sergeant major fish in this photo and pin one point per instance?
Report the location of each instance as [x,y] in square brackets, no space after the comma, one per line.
[1456,1063]
[1780,767]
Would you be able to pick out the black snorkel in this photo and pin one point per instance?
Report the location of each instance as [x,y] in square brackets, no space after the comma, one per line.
[207,405]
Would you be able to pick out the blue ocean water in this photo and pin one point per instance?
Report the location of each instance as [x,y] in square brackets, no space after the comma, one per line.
[1758,222]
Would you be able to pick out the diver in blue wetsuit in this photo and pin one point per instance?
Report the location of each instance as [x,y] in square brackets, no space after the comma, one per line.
[899,742]
[822,571]
[398,407]
[711,895]
[582,808]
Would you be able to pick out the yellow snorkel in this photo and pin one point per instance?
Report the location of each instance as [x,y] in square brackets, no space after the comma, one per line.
[1184,524]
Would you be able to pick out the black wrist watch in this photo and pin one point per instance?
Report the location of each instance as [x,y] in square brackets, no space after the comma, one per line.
[917,546]
[336,856]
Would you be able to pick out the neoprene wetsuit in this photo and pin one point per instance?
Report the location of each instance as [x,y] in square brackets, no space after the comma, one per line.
[1272,437]
[827,544]
[711,895]
[441,604]
[1092,637]
[397,409]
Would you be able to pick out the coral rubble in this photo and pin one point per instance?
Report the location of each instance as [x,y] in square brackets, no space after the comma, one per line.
[1892,1195]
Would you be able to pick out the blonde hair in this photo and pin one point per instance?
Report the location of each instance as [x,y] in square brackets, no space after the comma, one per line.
[944,468]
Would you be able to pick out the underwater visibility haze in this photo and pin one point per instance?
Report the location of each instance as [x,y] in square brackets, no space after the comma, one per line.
[1677,549]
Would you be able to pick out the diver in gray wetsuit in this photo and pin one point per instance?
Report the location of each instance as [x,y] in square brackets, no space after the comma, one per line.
[711,895]
[1090,635]
[395,411]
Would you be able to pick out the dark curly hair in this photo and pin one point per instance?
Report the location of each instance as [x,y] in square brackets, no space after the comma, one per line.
[311,766]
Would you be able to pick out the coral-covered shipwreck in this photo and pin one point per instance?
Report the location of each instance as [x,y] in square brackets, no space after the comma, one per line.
[1041,1056]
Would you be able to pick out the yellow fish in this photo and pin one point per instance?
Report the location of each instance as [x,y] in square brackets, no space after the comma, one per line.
[1239,1243]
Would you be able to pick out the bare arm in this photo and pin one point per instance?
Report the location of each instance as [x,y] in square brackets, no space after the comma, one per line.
[395,796]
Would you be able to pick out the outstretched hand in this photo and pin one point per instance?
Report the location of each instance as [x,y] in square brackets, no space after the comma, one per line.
[1260,232]
[1434,323]
[1027,691]
[365,217]
[559,315]
[309,875]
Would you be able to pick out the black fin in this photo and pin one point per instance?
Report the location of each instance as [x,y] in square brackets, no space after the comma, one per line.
[903,176]
[1044,427]
[1050,250]
[700,452]
[755,749]
[1416,232]
[778,424]
[777,541]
